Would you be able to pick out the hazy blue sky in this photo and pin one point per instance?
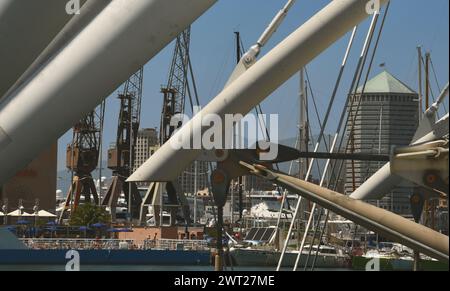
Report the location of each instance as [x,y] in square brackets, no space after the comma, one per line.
[409,23]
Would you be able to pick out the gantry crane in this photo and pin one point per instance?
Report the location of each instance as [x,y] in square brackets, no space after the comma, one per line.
[174,100]
[121,156]
[82,157]
[174,93]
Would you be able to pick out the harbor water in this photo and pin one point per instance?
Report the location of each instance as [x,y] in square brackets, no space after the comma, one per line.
[144,268]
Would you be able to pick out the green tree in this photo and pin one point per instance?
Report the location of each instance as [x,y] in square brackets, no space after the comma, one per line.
[41,222]
[88,214]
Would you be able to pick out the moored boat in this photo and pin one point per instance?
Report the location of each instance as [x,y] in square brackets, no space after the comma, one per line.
[391,261]
[328,257]
[100,252]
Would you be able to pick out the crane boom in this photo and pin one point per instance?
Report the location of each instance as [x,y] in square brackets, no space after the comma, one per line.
[175,90]
[128,124]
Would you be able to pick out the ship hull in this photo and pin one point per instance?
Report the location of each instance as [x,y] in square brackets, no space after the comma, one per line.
[385,264]
[106,257]
[256,258]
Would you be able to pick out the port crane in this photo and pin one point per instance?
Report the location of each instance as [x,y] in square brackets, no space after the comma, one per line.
[84,70]
[175,94]
[242,94]
[121,156]
[82,157]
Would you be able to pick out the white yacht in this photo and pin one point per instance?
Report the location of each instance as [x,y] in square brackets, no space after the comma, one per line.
[267,204]
[327,257]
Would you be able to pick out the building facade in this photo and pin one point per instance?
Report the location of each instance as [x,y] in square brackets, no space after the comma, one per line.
[146,145]
[383,117]
[36,184]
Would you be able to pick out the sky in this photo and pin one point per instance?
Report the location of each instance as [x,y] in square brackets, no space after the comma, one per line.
[409,23]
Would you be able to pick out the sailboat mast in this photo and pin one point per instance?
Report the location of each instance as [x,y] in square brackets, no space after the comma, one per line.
[419,52]
[303,126]
[427,81]
[240,179]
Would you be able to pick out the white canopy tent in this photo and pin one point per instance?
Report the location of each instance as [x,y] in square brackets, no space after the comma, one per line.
[18,213]
[43,213]
[59,209]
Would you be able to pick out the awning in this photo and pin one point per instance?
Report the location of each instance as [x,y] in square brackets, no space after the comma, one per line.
[43,213]
[18,213]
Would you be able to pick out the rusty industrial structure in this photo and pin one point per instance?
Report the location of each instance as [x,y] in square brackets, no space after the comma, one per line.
[82,157]
[174,100]
[121,156]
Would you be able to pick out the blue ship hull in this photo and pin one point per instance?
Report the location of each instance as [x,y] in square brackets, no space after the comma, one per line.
[106,257]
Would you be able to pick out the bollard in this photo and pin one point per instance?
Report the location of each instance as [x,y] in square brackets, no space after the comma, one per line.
[218,264]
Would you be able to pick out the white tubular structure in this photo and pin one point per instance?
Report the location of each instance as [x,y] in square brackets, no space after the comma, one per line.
[26,28]
[276,22]
[378,185]
[434,108]
[76,24]
[250,57]
[313,37]
[386,223]
[120,40]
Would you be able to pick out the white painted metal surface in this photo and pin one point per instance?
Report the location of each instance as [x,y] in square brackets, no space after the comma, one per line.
[379,220]
[26,28]
[122,38]
[313,37]
[76,24]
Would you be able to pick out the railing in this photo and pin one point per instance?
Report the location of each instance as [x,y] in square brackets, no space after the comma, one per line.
[114,244]
[79,244]
[168,244]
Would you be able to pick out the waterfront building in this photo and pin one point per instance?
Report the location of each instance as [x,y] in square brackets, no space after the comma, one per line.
[387,117]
